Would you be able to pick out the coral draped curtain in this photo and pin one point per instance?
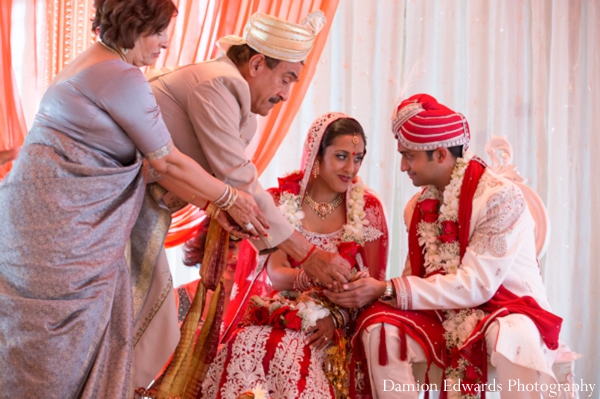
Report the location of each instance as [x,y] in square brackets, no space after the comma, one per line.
[527,69]
[193,33]
[12,121]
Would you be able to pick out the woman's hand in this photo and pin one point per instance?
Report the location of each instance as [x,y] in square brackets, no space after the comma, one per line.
[245,212]
[321,335]
[231,227]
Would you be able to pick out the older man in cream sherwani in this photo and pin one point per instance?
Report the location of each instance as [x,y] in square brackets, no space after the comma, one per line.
[210,110]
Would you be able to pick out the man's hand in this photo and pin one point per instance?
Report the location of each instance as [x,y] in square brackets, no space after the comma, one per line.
[358,293]
[327,268]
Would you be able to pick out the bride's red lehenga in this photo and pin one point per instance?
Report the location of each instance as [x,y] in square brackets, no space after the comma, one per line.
[278,358]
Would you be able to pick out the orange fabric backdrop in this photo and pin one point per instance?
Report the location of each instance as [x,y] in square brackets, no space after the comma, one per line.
[192,38]
[12,122]
[273,128]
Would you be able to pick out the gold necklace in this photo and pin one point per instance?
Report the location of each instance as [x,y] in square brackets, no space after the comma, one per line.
[112,49]
[323,209]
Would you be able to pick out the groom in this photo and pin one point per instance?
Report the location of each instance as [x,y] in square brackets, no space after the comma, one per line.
[472,263]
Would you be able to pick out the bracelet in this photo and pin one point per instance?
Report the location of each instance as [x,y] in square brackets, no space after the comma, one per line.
[335,321]
[302,282]
[227,199]
[345,315]
[231,201]
[223,196]
[337,315]
[308,254]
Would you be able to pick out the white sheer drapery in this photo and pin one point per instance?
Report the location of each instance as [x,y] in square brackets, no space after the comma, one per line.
[527,69]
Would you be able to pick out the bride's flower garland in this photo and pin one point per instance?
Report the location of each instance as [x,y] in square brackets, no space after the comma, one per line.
[280,312]
[438,235]
[290,204]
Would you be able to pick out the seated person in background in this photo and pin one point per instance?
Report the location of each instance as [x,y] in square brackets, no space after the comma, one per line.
[284,342]
[8,155]
[472,259]
[194,252]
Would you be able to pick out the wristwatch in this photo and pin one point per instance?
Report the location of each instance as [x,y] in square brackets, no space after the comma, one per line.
[388,294]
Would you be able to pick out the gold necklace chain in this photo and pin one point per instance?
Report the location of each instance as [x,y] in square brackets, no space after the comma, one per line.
[323,209]
[112,49]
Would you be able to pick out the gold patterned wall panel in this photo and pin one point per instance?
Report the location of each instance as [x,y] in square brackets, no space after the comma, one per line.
[68,33]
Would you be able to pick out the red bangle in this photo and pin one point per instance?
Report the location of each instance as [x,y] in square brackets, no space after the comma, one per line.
[308,254]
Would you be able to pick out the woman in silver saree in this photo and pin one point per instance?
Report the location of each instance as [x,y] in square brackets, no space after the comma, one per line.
[81,229]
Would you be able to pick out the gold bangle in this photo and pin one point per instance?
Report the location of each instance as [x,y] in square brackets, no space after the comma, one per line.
[231,200]
[219,200]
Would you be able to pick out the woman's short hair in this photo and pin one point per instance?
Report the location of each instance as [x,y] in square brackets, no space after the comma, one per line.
[240,54]
[341,127]
[119,23]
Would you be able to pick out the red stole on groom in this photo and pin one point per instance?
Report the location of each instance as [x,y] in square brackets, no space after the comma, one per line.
[502,303]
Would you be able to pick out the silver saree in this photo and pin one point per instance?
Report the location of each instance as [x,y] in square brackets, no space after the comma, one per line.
[71,288]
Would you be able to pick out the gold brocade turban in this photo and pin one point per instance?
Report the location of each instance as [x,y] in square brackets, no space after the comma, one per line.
[277,38]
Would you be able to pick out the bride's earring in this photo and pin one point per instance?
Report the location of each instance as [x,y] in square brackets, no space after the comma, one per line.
[316,169]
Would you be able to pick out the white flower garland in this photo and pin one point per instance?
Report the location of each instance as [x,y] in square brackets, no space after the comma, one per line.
[353,231]
[259,392]
[445,258]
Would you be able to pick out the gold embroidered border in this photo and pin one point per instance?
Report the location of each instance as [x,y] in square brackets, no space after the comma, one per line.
[161,152]
[161,298]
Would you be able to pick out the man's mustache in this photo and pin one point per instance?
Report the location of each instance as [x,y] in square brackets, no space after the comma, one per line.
[275,100]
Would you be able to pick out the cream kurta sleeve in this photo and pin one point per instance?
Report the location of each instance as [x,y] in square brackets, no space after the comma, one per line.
[214,108]
[503,226]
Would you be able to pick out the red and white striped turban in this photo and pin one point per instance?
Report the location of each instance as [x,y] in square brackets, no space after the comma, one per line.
[420,123]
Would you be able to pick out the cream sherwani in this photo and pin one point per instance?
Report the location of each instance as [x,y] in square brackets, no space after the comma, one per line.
[206,107]
[501,251]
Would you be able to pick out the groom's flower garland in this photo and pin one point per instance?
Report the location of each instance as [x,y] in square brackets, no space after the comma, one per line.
[438,235]
[290,204]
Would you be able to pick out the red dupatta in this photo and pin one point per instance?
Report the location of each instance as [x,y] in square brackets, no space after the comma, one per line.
[503,302]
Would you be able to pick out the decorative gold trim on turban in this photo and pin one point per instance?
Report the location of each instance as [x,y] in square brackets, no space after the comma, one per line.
[277,38]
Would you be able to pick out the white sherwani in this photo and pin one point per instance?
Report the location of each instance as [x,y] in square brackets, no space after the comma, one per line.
[501,251]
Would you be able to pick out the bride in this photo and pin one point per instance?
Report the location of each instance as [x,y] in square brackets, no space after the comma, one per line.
[279,331]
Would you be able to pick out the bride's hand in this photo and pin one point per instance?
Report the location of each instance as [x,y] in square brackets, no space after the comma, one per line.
[321,335]
[246,214]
